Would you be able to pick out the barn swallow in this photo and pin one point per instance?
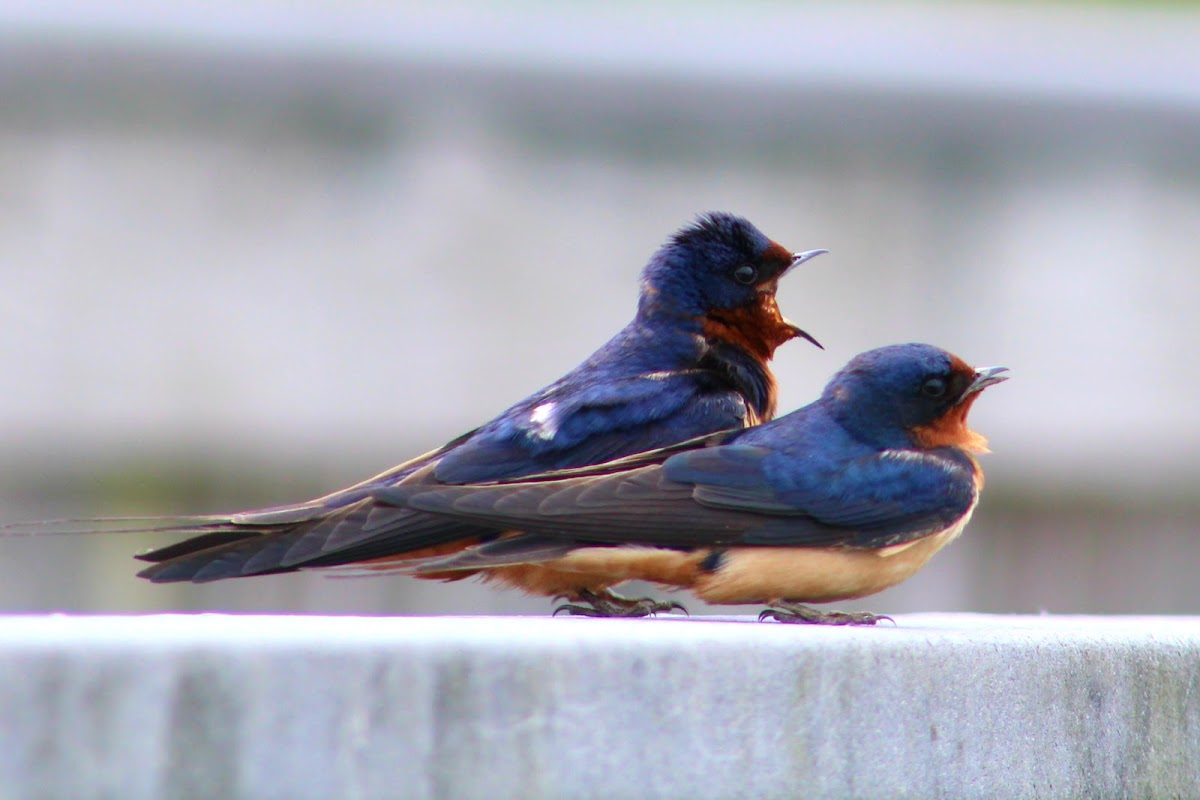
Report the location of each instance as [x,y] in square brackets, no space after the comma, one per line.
[694,360]
[838,500]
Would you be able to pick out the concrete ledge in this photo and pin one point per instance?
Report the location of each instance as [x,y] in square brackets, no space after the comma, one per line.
[939,706]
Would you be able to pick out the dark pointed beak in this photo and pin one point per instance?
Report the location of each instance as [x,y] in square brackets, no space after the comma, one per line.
[985,377]
[805,335]
[800,258]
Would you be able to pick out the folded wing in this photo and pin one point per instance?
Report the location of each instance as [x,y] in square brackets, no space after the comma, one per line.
[722,496]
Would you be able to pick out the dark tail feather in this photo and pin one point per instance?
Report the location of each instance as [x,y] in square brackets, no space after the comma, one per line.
[357,533]
[271,541]
[210,558]
[203,565]
[204,541]
[106,525]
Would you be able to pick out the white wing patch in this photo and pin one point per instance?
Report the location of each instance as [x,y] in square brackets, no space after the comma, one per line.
[912,455]
[543,422]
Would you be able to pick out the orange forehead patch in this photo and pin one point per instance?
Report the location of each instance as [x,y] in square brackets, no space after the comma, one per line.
[777,252]
[960,366]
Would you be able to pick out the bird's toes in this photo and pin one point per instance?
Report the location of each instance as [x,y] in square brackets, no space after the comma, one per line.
[796,614]
[578,610]
[609,604]
[648,606]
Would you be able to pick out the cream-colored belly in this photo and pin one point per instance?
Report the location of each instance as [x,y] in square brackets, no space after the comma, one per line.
[815,575]
[745,574]
[597,568]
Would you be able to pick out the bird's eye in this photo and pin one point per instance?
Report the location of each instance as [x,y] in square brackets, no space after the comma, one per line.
[933,387]
[745,274]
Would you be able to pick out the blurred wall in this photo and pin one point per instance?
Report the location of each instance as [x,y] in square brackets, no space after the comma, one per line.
[248,255]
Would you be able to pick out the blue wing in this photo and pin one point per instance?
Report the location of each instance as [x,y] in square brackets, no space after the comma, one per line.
[893,494]
[593,423]
[730,495]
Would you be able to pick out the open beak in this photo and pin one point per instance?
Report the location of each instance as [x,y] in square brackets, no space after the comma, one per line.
[984,377]
[797,260]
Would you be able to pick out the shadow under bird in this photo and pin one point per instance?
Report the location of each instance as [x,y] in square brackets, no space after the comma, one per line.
[694,360]
[838,500]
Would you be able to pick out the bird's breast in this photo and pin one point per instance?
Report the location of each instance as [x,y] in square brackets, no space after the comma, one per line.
[741,342]
[816,575]
[950,430]
[597,568]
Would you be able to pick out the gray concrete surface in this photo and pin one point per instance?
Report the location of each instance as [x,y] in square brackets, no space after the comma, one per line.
[938,706]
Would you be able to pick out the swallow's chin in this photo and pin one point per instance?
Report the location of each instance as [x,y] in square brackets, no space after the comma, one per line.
[785,330]
[768,310]
[757,327]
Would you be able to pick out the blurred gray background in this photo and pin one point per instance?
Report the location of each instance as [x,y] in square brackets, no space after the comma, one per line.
[250,254]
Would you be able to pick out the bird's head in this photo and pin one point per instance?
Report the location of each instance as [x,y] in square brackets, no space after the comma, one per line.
[910,394]
[723,271]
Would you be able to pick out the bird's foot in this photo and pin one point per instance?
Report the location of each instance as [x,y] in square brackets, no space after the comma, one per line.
[606,603]
[796,613]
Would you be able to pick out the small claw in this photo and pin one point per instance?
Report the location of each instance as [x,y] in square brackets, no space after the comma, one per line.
[577,610]
[673,606]
[648,607]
